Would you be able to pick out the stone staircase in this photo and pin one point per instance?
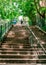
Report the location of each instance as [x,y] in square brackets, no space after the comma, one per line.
[17,49]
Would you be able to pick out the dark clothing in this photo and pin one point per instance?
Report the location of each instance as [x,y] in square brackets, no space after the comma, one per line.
[21,21]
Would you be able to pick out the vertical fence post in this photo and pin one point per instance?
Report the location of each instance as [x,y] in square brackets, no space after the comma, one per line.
[5,28]
[0,32]
[8,25]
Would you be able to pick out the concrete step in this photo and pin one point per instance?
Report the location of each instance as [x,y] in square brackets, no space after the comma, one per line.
[23,60]
[15,51]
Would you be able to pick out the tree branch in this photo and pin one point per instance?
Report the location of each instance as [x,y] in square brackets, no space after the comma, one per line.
[43,14]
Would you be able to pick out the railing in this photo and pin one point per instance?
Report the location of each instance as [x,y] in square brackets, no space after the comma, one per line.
[4,28]
[34,38]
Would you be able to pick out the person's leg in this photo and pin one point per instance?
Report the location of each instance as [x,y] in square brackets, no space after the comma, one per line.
[21,21]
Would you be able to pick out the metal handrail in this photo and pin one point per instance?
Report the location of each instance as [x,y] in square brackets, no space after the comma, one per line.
[38,41]
[4,28]
[40,29]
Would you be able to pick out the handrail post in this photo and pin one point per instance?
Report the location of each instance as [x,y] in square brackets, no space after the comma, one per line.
[0,32]
[31,40]
[8,25]
[5,27]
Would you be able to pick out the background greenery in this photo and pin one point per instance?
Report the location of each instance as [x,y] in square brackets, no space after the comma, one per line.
[10,9]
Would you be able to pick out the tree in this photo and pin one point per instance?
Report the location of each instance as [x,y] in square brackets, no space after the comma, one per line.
[40,7]
[13,8]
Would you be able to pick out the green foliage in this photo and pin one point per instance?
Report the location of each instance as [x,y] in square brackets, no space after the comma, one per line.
[9,9]
[42,9]
[44,28]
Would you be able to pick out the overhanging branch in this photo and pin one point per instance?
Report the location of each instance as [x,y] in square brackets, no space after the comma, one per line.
[41,14]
